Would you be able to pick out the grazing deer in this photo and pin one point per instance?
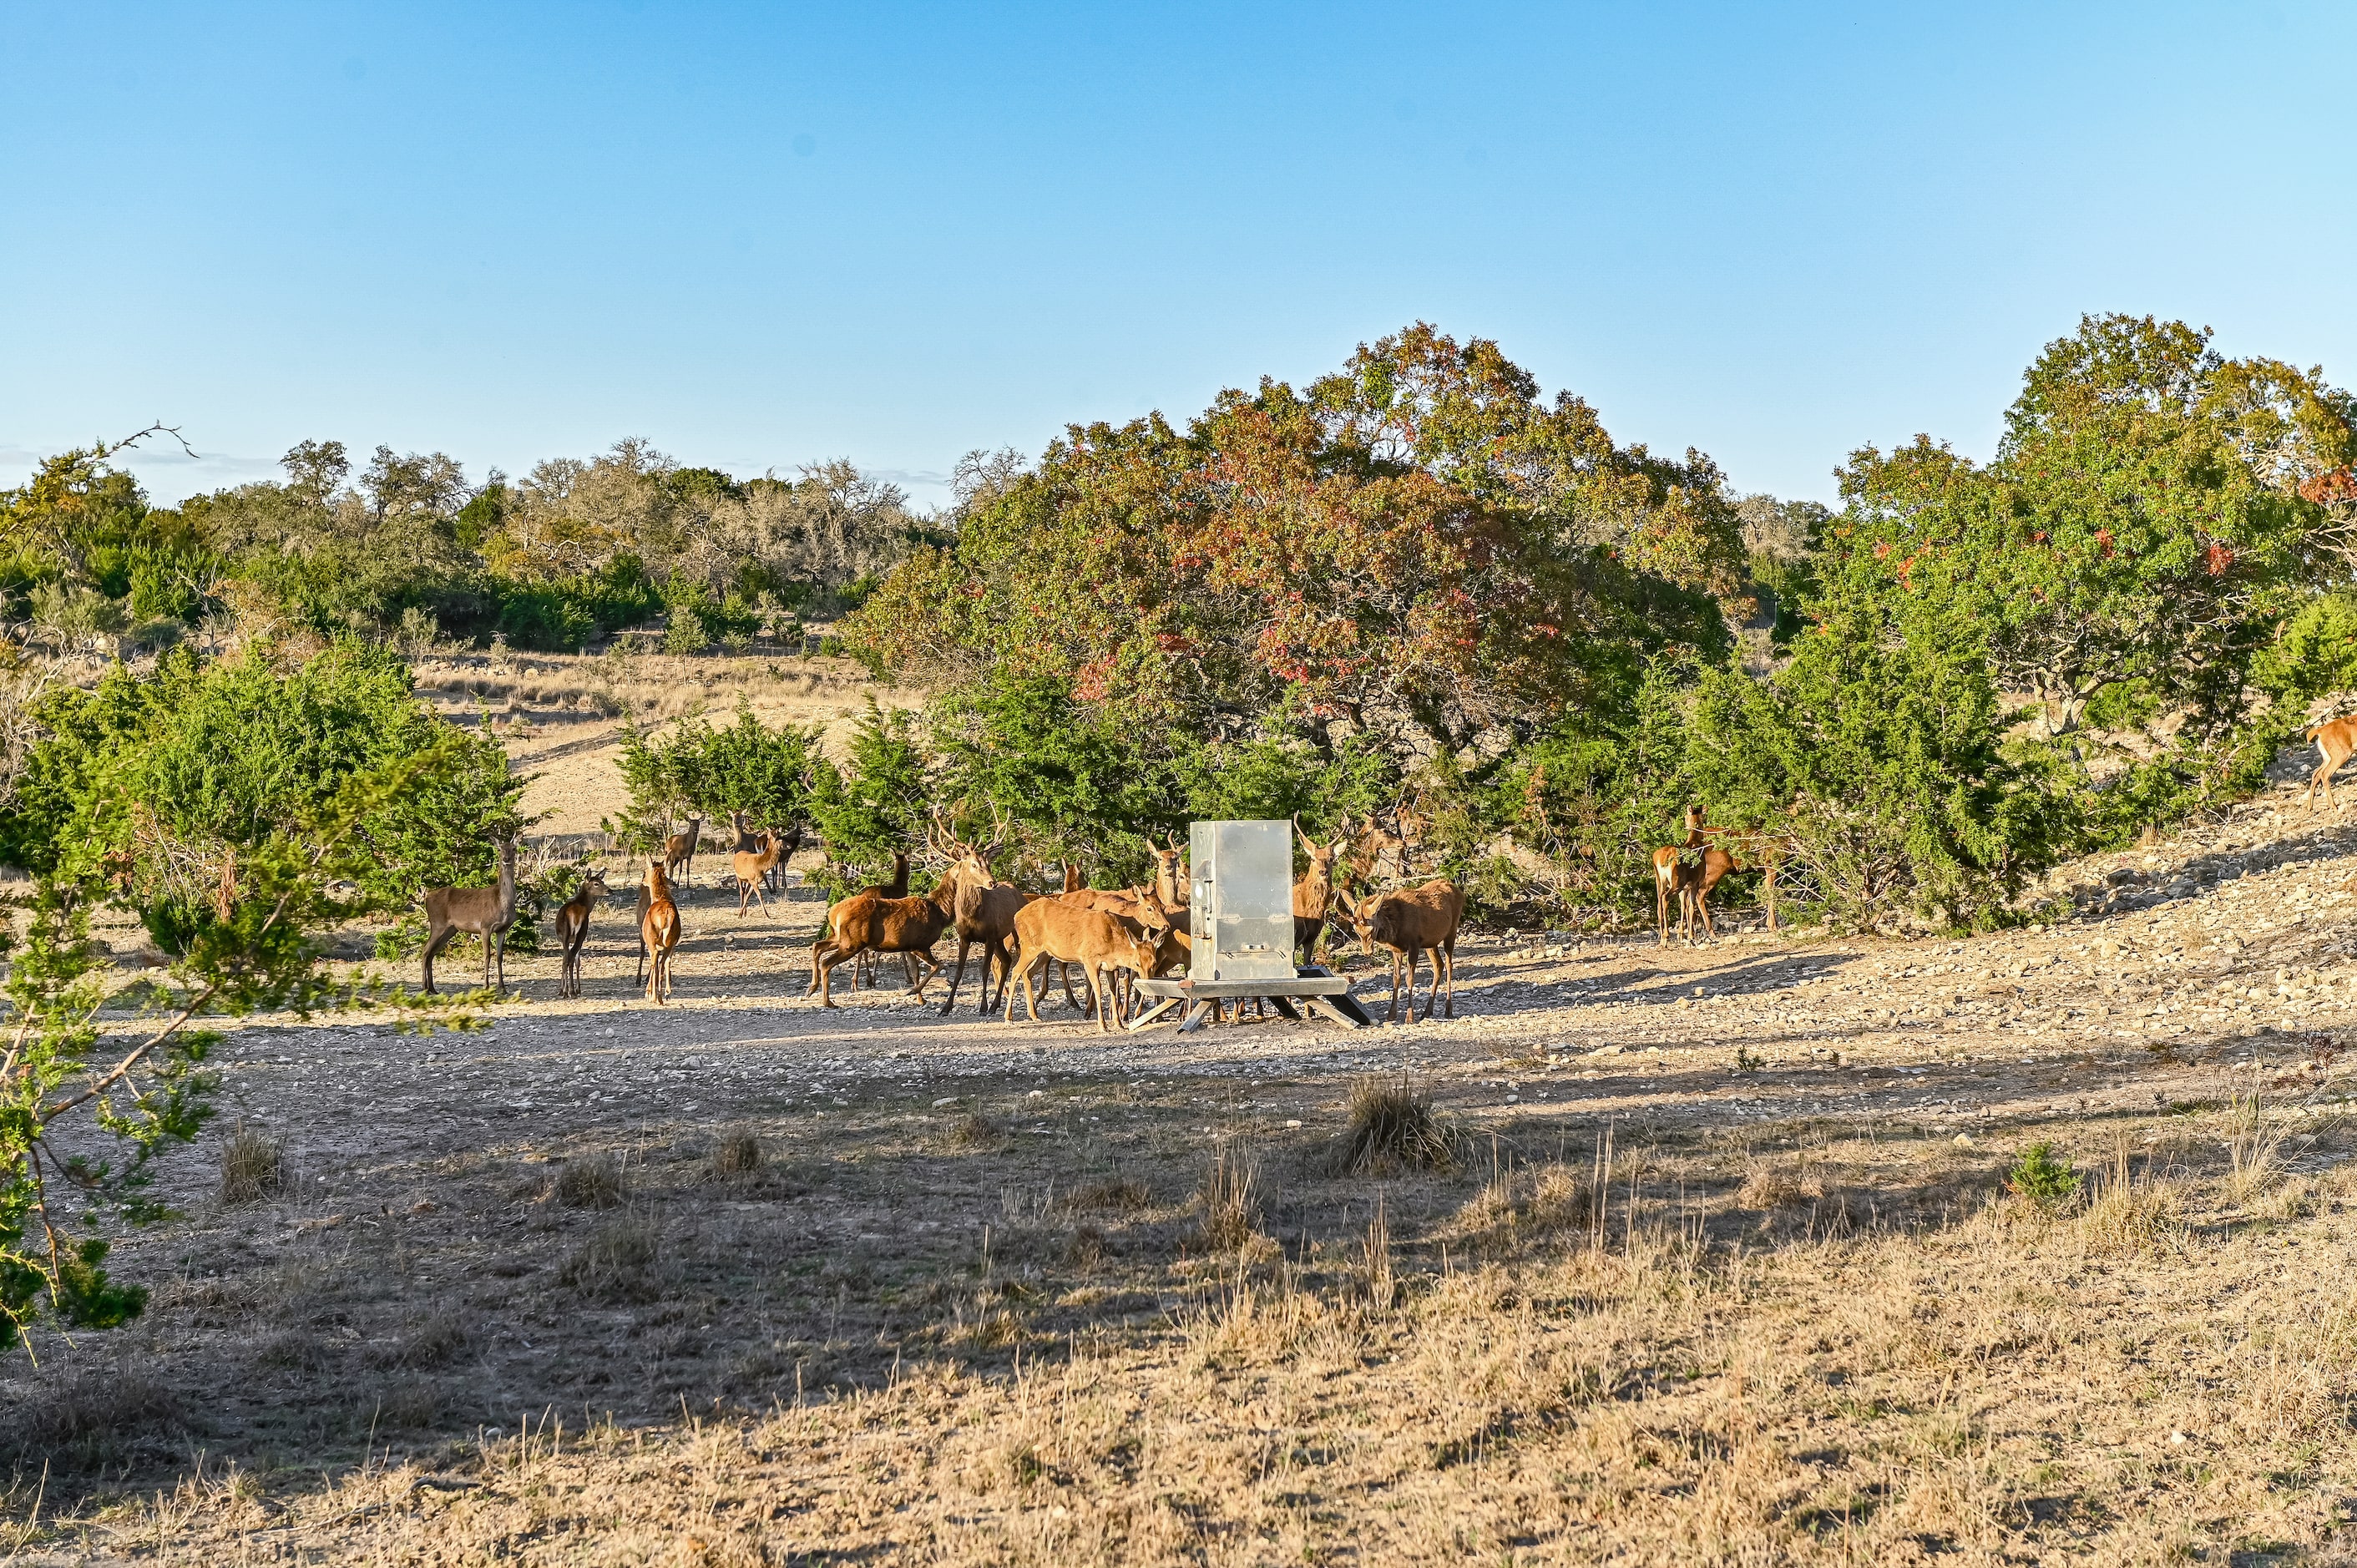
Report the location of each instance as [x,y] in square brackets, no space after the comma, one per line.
[485,912]
[2335,740]
[985,916]
[751,866]
[1410,921]
[679,849]
[869,922]
[1101,942]
[573,929]
[658,930]
[1313,893]
[1688,872]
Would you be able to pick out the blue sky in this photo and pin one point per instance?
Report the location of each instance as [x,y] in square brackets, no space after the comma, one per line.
[760,235]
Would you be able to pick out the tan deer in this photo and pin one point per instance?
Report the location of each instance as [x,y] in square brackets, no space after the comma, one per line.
[750,867]
[1409,921]
[485,912]
[2335,740]
[658,930]
[984,917]
[573,929]
[679,849]
[1059,930]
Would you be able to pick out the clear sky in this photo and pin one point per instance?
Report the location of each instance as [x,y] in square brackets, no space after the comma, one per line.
[763,234]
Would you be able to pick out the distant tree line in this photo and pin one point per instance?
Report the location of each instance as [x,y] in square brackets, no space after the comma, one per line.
[407,547]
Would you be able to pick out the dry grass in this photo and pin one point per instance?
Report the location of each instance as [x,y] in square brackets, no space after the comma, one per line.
[737,1153]
[1393,1128]
[617,1262]
[2253,1148]
[252,1167]
[974,1131]
[593,1181]
[1230,1210]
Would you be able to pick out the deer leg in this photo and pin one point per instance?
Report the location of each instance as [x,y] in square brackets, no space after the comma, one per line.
[434,943]
[959,973]
[1661,911]
[816,954]
[1450,950]
[1412,954]
[918,982]
[1770,889]
[1390,1014]
[825,976]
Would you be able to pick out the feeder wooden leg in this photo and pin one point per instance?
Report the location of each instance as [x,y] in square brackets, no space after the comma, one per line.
[1151,1013]
[1196,1014]
[1326,1009]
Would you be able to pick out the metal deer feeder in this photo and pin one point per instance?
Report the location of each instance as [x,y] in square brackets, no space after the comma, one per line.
[1240,915]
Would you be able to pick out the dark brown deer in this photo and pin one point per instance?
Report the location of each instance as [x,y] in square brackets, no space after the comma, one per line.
[485,912]
[658,930]
[869,922]
[863,967]
[1410,921]
[750,866]
[2335,742]
[679,849]
[573,929]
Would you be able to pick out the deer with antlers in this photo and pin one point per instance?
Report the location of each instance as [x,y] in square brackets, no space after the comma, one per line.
[485,912]
[2335,740]
[573,930]
[869,922]
[1313,892]
[1688,872]
[658,930]
[1409,921]
[985,916]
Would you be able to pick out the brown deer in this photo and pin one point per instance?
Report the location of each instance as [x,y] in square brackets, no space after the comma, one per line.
[679,849]
[869,922]
[2335,741]
[1688,872]
[1761,847]
[863,967]
[573,929]
[1313,893]
[485,912]
[1100,942]
[985,916]
[658,930]
[1409,921]
[750,866]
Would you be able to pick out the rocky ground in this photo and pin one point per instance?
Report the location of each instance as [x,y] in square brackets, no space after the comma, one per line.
[545,1220]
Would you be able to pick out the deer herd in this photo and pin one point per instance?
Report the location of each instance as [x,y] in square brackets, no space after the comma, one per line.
[1113,936]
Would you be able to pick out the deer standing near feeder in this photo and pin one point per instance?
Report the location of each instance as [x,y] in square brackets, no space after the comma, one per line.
[1313,893]
[869,922]
[1056,930]
[573,929]
[984,915]
[1409,921]
[485,912]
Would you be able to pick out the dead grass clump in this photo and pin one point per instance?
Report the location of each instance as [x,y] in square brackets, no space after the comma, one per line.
[428,1341]
[1231,1219]
[1521,1204]
[1393,1128]
[974,1131]
[738,1152]
[2133,1213]
[86,1417]
[617,1262]
[1119,1196]
[1771,1186]
[2254,1149]
[594,1182]
[253,1167]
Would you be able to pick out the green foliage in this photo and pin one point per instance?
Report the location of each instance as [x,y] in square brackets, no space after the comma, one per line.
[2313,652]
[166,783]
[878,804]
[86,1111]
[770,775]
[2038,1175]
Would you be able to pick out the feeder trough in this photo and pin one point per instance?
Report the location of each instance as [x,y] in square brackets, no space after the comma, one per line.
[1240,913]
